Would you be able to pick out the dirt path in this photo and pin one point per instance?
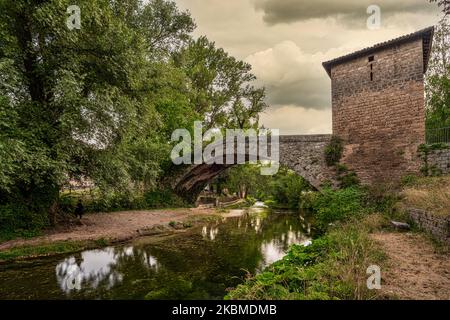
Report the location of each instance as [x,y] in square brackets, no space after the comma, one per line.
[116,226]
[416,271]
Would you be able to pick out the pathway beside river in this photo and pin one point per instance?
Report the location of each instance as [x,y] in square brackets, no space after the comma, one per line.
[417,270]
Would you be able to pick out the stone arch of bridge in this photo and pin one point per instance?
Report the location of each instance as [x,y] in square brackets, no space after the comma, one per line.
[302,154]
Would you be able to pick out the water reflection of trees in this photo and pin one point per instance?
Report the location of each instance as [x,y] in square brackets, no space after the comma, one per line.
[197,265]
[220,255]
[100,269]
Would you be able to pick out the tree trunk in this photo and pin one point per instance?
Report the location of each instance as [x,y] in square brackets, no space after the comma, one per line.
[53,213]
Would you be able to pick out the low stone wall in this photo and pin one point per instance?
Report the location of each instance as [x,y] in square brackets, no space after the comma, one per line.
[230,203]
[440,160]
[437,226]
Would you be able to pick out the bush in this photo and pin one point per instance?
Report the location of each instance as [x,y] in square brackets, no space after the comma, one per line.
[18,221]
[114,202]
[307,200]
[110,202]
[163,199]
[286,189]
[334,151]
[67,203]
[337,205]
[382,198]
[270,203]
[346,177]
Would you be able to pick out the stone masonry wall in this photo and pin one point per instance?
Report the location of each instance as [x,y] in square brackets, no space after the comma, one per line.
[305,156]
[440,160]
[382,120]
[437,226]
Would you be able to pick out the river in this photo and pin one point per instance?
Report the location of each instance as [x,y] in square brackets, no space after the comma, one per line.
[200,263]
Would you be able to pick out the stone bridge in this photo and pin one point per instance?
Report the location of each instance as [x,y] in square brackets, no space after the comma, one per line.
[303,154]
[378,111]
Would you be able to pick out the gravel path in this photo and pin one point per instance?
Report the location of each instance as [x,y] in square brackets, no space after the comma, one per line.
[416,271]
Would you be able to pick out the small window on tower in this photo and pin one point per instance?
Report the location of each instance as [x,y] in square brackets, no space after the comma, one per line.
[371,60]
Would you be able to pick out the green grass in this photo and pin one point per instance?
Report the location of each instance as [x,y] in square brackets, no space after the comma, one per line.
[41,250]
[102,242]
[173,224]
[35,251]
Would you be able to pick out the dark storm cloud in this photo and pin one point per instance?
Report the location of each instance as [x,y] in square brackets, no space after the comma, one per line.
[347,11]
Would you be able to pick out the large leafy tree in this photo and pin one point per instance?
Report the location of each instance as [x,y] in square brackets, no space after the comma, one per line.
[79,103]
[221,86]
[102,101]
[438,78]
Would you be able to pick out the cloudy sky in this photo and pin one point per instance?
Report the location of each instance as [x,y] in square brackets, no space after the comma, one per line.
[286,42]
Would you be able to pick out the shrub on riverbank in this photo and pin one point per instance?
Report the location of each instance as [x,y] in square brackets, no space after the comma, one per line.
[331,206]
[110,202]
[17,220]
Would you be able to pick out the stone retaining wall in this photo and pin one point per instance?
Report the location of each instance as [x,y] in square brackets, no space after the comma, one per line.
[437,226]
[440,160]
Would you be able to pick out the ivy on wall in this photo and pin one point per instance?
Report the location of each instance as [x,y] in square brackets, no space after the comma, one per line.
[334,151]
[333,155]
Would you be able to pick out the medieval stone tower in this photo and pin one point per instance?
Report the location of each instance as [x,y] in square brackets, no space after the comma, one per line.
[378,106]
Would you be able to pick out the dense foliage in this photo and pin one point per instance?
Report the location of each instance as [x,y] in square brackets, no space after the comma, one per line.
[116,201]
[101,102]
[438,78]
[283,189]
[331,206]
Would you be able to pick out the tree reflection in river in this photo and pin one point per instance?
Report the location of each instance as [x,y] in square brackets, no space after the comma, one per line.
[97,267]
[198,264]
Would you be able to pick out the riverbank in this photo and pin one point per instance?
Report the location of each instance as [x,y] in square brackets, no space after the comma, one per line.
[197,263]
[358,233]
[412,267]
[102,229]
